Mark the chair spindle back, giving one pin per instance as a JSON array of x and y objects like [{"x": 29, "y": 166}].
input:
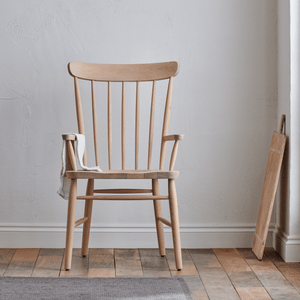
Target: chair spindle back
[{"x": 125, "y": 73}]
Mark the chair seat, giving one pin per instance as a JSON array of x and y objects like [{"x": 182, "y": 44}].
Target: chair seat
[{"x": 123, "y": 174}]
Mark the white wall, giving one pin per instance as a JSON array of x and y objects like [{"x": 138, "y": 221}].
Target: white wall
[{"x": 225, "y": 102}]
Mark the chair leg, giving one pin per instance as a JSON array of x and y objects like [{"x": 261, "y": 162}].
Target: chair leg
[
  {"x": 159, "y": 224},
  {"x": 175, "y": 223},
  {"x": 88, "y": 214},
  {"x": 70, "y": 224}
]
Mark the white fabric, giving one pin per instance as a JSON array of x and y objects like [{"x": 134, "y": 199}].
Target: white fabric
[{"x": 79, "y": 150}]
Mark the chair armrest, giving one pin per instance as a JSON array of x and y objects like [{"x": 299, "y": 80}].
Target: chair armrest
[
  {"x": 173, "y": 137},
  {"x": 69, "y": 137}
]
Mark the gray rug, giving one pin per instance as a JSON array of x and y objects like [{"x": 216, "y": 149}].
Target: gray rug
[{"x": 93, "y": 288}]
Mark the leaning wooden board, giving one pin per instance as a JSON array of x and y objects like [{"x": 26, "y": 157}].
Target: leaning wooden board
[{"x": 269, "y": 190}]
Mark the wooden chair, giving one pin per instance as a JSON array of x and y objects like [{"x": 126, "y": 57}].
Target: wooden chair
[{"x": 123, "y": 73}]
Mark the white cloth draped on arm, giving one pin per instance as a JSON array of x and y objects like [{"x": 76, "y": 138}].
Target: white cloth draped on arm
[{"x": 79, "y": 152}]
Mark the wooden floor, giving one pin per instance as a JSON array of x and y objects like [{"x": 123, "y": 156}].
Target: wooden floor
[{"x": 209, "y": 273}]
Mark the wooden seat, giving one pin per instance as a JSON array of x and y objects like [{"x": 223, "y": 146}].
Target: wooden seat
[
  {"x": 123, "y": 174},
  {"x": 123, "y": 73}
]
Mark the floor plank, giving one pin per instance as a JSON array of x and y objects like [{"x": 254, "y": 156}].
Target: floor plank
[
  {"x": 292, "y": 275},
  {"x": 128, "y": 263},
  {"x": 238, "y": 271},
  {"x": 231, "y": 260},
  {"x": 79, "y": 266},
  {"x": 48, "y": 263},
  {"x": 5, "y": 258},
  {"x": 272, "y": 279},
  {"x": 153, "y": 264},
  {"x": 101, "y": 263},
  {"x": 196, "y": 287},
  {"x": 204, "y": 258},
  {"x": 188, "y": 266},
  {"x": 253, "y": 293},
  {"x": 278, "y": 261},
  {"x": 22, "y": 263}
]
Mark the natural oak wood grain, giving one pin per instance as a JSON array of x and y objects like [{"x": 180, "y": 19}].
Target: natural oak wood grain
[
  {"x": 70, "y": 224},
  {"x": 137, "y": 126},
  {"x": 95, "y": 128},
  {"x": 122, "y": 191},
  {"x": 173, "y": 137},
  {"x": 123, "y": 74},
  {"x": 70, "y": 137},
  {"x": 175, "y": 223},
  {"x": 80, "y": 221},
  {"x": 123, "y": 174},
  {"x": 151, "y": 126},
  {"x": 109, "y": 125},
  {"x": 88, "y": 215},
  {"x": 123, "y": 126},
  {"x": 71, "y": 155},
  {"x": 123, "y": 197},
  {"x": 165, "y": 221},
  {"x": 136, "y": 72},
  {"x": 173, "y": 156},
  {"x": 166, "y": 124},
  {"x": 158, "y": 215},
  {"x": 80, "y": 121},
  {"x": 269, "y": 190}
]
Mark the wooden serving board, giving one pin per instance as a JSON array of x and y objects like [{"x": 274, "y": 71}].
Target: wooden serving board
[{"x": 269, "y": 190}]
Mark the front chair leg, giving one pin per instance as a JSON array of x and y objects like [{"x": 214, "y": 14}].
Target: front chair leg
[
  {"x": 175, "y": 223},
  {"x": 158, "y": 213},
  {"x": 88, "y": 214},
  {"x": 70, "y": 224}
]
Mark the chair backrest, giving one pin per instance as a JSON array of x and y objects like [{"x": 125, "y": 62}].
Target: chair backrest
[{"x": 125, "y": 73}]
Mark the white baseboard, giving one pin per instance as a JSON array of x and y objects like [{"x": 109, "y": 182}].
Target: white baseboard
[
  {"x": 288, "y": 246},
  {"x": 192, "y": 236}
]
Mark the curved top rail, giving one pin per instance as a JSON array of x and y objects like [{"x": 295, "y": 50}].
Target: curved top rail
[{"x": 123, "y": 72}]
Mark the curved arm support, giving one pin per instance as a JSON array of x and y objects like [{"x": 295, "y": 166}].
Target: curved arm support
[
  {"x": 176, "y": 138},
  {"x": 173, "y": 137},
  {"x": 70, "y": 138}
]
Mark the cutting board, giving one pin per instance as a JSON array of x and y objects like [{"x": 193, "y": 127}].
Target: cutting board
[{"x": 269, "y": 190}]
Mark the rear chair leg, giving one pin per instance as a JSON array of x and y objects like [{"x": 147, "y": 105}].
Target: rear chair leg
[
  {"x": 158, "y": 213},
  {"x": 175, "y": 223},
  {"x": 88, "y": 214},
  {"x": 70, "y": 224}
]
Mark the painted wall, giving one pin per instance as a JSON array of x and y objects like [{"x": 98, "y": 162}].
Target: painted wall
[{"x": 225, "y": 102}]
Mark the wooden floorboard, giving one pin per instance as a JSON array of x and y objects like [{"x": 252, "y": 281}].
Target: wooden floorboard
[
  {"x": 22, "y": 263},
  {"x": 209, "y": 273}
]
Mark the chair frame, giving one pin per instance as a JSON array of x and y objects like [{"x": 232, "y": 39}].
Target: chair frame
[{"x": 123, "y": 73}]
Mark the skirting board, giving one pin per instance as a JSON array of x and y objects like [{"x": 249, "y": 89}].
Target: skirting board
[
  {"x": 46, "y": 236},
  {"x": 287, "y": 246}
]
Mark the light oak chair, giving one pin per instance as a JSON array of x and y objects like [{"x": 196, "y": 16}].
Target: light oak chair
[{"x": 123, "y": 73}]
